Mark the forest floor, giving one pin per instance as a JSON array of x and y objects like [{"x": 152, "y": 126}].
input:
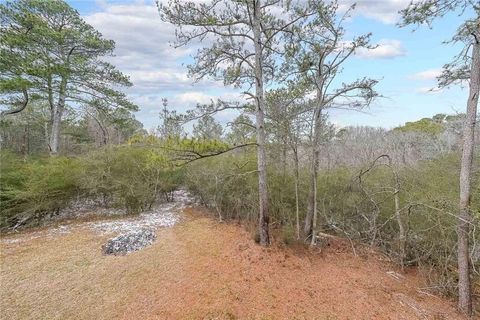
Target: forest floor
[{"x": 202, "y": 269}]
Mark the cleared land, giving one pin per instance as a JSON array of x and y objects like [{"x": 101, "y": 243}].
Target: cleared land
[{"x": 202, "y": 269}]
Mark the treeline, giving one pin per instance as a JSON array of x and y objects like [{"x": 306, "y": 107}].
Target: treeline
[{"x": 28, "y": 132}]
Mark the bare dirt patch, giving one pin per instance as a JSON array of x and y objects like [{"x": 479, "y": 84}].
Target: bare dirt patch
[{"x": 202, "y": 269}]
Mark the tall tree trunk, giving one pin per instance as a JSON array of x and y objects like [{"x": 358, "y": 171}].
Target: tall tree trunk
[
  {"x": 57, "y": 114},
  {"x": 315, "y": 209},
  {"x": 464, "y": 217},
  {"x": 263, "y": 223},
  {"x": 312, "y": 196},
  {"x": 307, "y": 228}
]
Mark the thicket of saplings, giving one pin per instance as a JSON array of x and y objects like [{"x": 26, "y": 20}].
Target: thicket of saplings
[{"x": 359, "y": 207}]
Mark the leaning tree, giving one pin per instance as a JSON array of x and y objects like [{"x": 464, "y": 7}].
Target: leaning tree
[{"x": 49, "y": 53}]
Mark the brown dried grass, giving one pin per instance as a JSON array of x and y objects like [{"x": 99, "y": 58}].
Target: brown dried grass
[{"x": 201, "y": 269}]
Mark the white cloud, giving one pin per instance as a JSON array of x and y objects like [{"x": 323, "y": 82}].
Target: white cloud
[
  {"x": 386, "y": 49},
  {"x": 430, "y": 74},
  {"x": 191, "y": 98},
  {"x": 141, "y": 38},
  {"x": 194, "y": 97},
  {"x": 385, "y": 11},
  {"x": 143, "y": 47},
  {"x": 143, "y": 51}
]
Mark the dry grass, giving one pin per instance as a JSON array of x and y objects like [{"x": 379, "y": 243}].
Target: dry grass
[{"x": 201, "y": 269}]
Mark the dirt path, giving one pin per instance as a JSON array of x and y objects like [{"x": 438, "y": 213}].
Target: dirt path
[{"x": 201, "y": 269}]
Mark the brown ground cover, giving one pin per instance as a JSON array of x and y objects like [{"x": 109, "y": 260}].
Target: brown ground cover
[{"x": 202, "y": 269}]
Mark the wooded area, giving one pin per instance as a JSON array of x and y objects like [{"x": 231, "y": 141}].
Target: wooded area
[{"x": 68, "y": 132}]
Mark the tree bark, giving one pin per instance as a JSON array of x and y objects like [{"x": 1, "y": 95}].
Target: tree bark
[
  {"x": 315, "y": 164},
  {"x": 46, "y": 135},
  {"x": 464, "y": 217},
  {"x": 55, "y": 132},
  {"x": 310, "y": 218},
  {"x": 57, "y": 114},
  {"x": 315, "y": 209},
  {"x": 263, "y": 223}
]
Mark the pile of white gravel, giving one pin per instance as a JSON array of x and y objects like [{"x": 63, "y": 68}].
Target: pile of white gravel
[{"x": 164, "y": 215}]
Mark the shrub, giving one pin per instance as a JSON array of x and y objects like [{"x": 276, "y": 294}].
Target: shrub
[
  {"x": 33, "y": 189},
  {"x": 227, "y": 184},
  {"x": 125, "y": 176},
  {"x": 129, "y": 177}
]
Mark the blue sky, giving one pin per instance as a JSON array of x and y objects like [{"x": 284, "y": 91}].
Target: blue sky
[{"x": 406, "y": 62}]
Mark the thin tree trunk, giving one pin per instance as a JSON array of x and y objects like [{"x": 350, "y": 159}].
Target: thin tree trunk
[
  {"x": 263, "y": 223},
  {"x": 464, "y": 217},
  {"x": 312, "y": 196},
  {"x": 315, "y": 211},
  {"x": 401, "y": 227},
  {"x": 47, "y": 135},
  {"x": 307, "y": 228},
  {"x": 297, "y": 211}
]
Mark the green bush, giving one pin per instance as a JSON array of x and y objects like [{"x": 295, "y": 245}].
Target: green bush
[
  {"x": 33, "y": 189},
  {"x": 127, "y": 176}
]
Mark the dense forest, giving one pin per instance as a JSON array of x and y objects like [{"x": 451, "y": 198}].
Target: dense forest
[{"x": 280, "y": 166}]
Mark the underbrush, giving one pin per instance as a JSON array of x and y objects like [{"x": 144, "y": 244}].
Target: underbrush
[
  {"x": 357, "y": 205},
  {"x": 126, "y": 177}
]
